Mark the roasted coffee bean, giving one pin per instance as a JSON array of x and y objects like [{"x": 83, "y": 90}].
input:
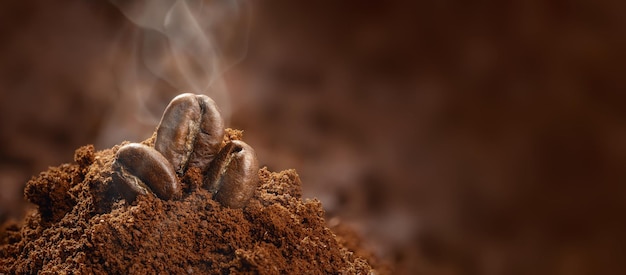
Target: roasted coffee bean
[
  {"x": 190, "y": 132},
  {"x": 233, "y": 175},
  {"x": 140, "y": 169}
]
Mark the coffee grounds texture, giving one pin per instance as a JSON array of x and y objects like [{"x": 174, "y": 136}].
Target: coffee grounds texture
[{"x": 83, "y": 226}]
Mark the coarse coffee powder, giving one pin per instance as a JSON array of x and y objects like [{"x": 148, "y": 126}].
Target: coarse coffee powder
[{"x": 82, "y": 226}]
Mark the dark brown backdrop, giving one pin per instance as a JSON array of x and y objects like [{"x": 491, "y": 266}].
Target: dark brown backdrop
[{"x": 483, "y": 138}]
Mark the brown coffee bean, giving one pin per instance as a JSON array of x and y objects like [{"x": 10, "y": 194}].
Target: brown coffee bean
[
  {"x": 190, "y": 132},
  {"x": 233, "y": 176},
  {"x": 140, "y": 169}
]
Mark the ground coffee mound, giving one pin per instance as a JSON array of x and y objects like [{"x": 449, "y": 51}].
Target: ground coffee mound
[{"x": 82, "y": 226}]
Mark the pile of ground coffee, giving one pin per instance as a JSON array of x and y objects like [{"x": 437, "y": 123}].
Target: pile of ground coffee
[{"x": 81, "y": 225}]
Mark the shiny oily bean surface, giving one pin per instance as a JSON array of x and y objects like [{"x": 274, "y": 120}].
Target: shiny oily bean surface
[
  {"x": 233, "y": 176},
  {"x": 140, "y": 169},
  {"x": 190, "y": 132}
]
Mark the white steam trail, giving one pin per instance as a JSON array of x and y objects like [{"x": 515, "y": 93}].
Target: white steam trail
[
  {"x": 192, "y": 59},
  {"x": 188, "y": 44}
]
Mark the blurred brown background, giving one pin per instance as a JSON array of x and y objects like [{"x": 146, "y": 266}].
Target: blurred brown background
[{"x": 482, "y": 138}]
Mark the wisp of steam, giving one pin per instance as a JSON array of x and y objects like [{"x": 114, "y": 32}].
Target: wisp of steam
[{"x": 186, "y": 43}]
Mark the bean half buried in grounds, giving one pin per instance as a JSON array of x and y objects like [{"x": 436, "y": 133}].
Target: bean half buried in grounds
[
  {"x": 233, "y": 176},
  {"x": 140, "y": 169},
  {"x": 190, "y": 132}
]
